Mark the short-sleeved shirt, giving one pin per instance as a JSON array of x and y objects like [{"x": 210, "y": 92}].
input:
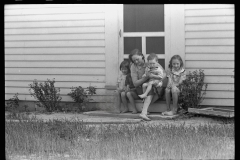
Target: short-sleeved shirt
[
  {"x": 121, "y": 81},
  {"x": 137, "y": 73},
  {"x": 175, "y": 77}
]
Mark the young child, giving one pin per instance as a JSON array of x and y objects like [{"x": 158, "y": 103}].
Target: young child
[
  {"x": 176, "y": 75},
  {"x": 124, "y": 84},
  {"x": 155, "y": 69}
]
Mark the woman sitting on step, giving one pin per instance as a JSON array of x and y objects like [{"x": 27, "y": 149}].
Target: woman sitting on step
[{"x": 137, "y": 71}]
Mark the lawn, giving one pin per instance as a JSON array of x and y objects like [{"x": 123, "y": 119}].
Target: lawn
[{"x": 76, "y": 140}]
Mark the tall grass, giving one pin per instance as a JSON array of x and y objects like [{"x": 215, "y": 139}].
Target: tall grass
[{"x": 82, "y": 141}]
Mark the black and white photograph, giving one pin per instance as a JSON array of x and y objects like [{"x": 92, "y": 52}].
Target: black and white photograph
[{"x": 119, "y": 81}]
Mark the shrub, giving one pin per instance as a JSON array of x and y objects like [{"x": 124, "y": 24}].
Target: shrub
[
  {"x": 47, "y": 95},
  {"x": 81, "y": 96},
  {"x": 12, "y": 102},
  {"x": 192, "y": 90}
]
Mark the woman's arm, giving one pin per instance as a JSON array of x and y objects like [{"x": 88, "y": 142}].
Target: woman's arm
[{"x": 137, "y": 82}]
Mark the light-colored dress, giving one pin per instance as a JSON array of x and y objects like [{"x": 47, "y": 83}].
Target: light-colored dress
[
  {"x": 175, "y": 78},
  {"x": 121, "y": 81},
  {"x": 157, "y": 70}
]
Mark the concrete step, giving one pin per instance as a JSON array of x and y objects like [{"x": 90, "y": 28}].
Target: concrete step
[
  {"x": 152, "y": 116},
  {"x": 156, "y": 107}
]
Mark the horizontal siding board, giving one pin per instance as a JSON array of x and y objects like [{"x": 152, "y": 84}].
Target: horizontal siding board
[
  {"x": 52, "y": 24},
  {"x": 208, "y": 6},
  {"x": 219, "y": 79},
  {"x": 57, "y": 37},
  {"x": 42, "y": 6},
  {"x": 219, "y": 94},
  {"x": 55, "y": 43},
  {"x": 63, "y": 91},
  {"x": 211, "y": 72},
  {"x": 57, "y": 84},
  {"x": 63, "y": 71},
  {"x": 55, "y": 57},
  {"x": 54, "y": 17},
  {"x": 209, "y": 42},
  {"x": 210, "y": 34},
  {"x": 210, "y": 64},
  {"x": 205, "y": 56},
  {"x": 209, "y": 49},
  {"x": 210, "y": 27},
  {"x": 55, "y": 30},
  {"x": 210, "y": 20},
  {"x": 210, "y": 12},
  {"x": 218, "y": 102},
  {"x": 55, "y": 64},
  {"x": 220, "y": 87},
  {"x": 90, "y": 78},
  {"x": 65, "y": 98},
  {"x": 79, "y": 50},
  {"x": 64, "y": 10}
]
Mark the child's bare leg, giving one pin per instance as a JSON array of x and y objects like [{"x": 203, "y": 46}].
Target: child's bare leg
[
  {"x": 144, "y": 95},
  {"x": 118, "y": 100},
  {"x": 131, "y": 96},
  {"x": 124, "y": 101},
  {"x": 168, "y": 99},
  {"x": 175, "y": 99},
  {"x": 144, "y": 87}
]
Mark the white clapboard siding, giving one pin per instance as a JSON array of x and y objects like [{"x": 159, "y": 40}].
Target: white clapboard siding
[
  {"x": 207, "y": 56},
  {"x": 84, "y": 43},
  {"x": 209, "y": 12},
  {"x": 64, "y": 71},
  {"x": 58, "y": 83},
  {"x": 56, "y": 37},
  {"x": 209, "y": 64},
  {"x": 210, "y": 27},
  {"x": 90, "y": 78},
  {"x": 210, "y": 42},
  {"x": 57, "y": 24},
  {"x": 63, "y": 91},
  {"x": 215, "y": 72},
  {"x": 210, "y": 46},
  {"x": 209, "y": 34},
  {"x": 208, "y": 6},
  {"x": 58, "y": 64},
  {"x": 51, "y": 6},
  {"x": 211, "y": 20},
  {"x": 65, "y": 98},
  {"x": 54, "y": 50},
  {"x": 210, "y": 49},
  {"x": 65, "y": 42},
  {"x": 54, "y": 17},
  {"x": 65, "y": 10},
  {"x": 69, "y": 30}
]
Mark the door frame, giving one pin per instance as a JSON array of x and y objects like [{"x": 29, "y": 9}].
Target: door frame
[{"x": 174, "y": 33}]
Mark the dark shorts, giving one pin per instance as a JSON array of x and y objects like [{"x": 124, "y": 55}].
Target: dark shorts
[{"x": 160, "y": 90}]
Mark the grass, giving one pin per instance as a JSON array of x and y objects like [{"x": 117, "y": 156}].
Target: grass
[{"x": 75, "y": 139}]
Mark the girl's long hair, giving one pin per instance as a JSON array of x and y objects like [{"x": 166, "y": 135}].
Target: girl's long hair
[{"x": 176, "y": 57}]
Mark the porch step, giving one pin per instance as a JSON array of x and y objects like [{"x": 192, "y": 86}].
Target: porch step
[
  {"x": 156, "y": 107},
  {"x": 129, "y": 115}
]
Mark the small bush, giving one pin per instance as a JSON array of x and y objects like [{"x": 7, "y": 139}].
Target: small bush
[
  {"x": 47, "y": 95},
  {"x": 192, "y": 90},
  {"x": 81, "y": 96},
  {"x": 12, "y": 103}
]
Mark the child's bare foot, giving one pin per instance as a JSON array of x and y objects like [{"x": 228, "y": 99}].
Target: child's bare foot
[
  {"x": 169, "y": 113},
  {"x": 142, "y": 96},
  {"x": 125, "y": 110},
  {"x": 134, "y": 112}
]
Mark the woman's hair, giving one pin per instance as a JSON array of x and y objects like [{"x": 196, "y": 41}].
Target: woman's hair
[
  {"x": 152, "y": 56},
  {"x": 178, "y": 58},
  {"x": 135, "y": 52},
  {"x": 125, "y": 64}
]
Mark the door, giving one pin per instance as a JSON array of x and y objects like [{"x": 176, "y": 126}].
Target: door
[{"x": 142, "y": 27}]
